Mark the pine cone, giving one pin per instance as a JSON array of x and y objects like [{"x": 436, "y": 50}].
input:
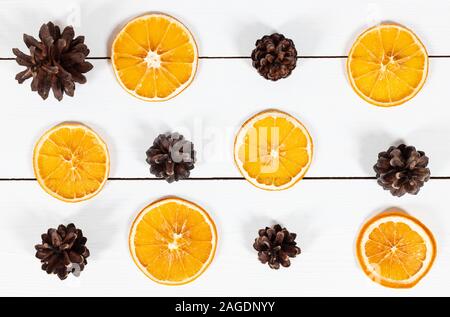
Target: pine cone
[
  {"x": 402, "y": 170},
  {"x": 63, "y": 251},
  {"x": 275, "y": 246},
  {"x": 171, "y": 157},
  {"x": 56, "y": 62},
  {"x": 274, "y": 56}
]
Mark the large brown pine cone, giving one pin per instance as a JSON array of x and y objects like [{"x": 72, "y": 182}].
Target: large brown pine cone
[
  {"x": 63, "y": 251},
  {"x": 274, "y": 56},
  {"x": 56, "y": 62},
  {"x": 402, "y": 170}
]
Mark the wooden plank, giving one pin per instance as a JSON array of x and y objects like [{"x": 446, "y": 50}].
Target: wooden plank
[
  {"x": 348, "y": 133},
  {"x": 326, "y": 215},
  {"x": 230, "y": 28}
]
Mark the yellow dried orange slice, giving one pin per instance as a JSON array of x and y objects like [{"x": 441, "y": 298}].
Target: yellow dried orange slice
[
  {"x": 71, "y": 162},
  {"x": 395, "y": 249},
  {"x": 154, "y": 57},
  {"x": 273, "y": 150},
  {"x": 173, "y": 241},
  {"x": 387, "y": 65}
]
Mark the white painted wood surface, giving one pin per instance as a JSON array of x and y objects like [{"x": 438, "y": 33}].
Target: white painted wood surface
[
  {"x": 348, "y": 133},
  {"x": 325, "y": 214}
]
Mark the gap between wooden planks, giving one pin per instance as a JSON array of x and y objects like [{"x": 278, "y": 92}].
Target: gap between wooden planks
[
  {"x": 230, "y": 178},
  {"x": 241, "y": 57}
]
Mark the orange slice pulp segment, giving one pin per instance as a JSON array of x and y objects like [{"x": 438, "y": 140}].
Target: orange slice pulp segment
[
  {"x": 71, "y": 162},
  {"x": 154, "y": 57},
  {"x": 173, "y": 241},
  {"x": 273, "y": 150},
  {"x": 387, "y": 65},
  {"x": 395, "y": 250}
]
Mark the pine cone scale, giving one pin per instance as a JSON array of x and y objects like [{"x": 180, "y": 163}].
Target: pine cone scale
[
  {"x": 30, "y": 41},
  {"x": 291, "y": 251},
  {"x": 264, "y": 257},
  {"x": 24, "y": 75}
]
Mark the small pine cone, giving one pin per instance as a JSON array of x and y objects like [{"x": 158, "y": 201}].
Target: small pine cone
[
  {"x": 274, "y": 56},
  {"x": 63, "y": 251},
  {"x": 275, "y": 246},
  {"x": 402, "y": 170},
  {"x": 171, "y": 157},
  {"x": 56, "y": 62}
]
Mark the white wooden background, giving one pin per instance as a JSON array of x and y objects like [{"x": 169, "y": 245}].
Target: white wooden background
[{"x": 325, "y": 212}]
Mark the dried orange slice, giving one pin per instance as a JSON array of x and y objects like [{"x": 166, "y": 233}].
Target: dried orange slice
[
  {"x": 387, "y": 65},
  {"x": 273, "y": 150},
  {"x": 71, "y": 162},
  {"x": 395, "y": 250},
  {"x": 154, "y": 57},
  {"x": 173, "y": 241}
]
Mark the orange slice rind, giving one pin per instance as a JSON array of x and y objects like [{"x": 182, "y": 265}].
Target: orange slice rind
[
  {"x": 173, "y": 241},
  {"x": 154, "y": 57},
  {"x": 395, "y": 249},
  {"x": 273, "y": 150},
  {"x": 387, "y": 65},
  {"x": 71, "y": 162}
]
